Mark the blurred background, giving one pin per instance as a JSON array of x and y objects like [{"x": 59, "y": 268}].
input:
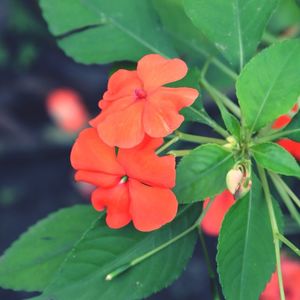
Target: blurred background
[{"x": 45, "y": 99}]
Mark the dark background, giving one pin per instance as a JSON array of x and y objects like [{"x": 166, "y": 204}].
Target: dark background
[{"x": 35, "y": 173}]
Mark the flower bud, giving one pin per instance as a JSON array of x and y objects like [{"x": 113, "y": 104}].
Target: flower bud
[
  {"x": 233, "y": 180},
  {"x": 244, "y": 188}
]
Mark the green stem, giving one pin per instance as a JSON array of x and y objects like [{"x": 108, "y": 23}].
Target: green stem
[
  {"x": 275, "y": 136},
  {"x": 269, "y": 38},
  {"x": 218, "y": 96},
  {"x": 211, "y": 273},
  {"x": 224, "y": 68},
  {"x": 274, "y": 226},
  {"x": 179, "y": 153},
  {"x": 286, "y": 198},
  {"x": 143, "y": 257},
  {"x": 288, "y": 243},
  {"x": 288, "y": 190},
  {"x": 210, "y": 122},
  {"x": 198, "y": 139},
  {"x": 167, "y": 144}
]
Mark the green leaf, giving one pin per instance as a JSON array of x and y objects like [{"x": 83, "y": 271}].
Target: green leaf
[
  {"x": 234, "y": 26},
  {"x": 202, "y": 173},
  {"x": 30, "y": 263},
  {"x": 295, "y": 127},
  {"x": 103, "y": 250},
  {"x": 231, "y": 122},
  {"x": 275, "y": 158},
  {"x": 99, "y": 31},
  {"x": 246, "y": 255},
  {"x": 286, "y": 15},
  {"x": 188, "y": 40},
  {"x": 270, "y": 84},
  {"x": 195, "y": 113}
]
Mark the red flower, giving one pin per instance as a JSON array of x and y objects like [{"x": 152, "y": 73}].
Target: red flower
[
  {"x": 291, "y": 281},
  {"x": 213, "y": 219},
  {"x": 291, "y": 146},
  {"x": 136, "y": 103},
  {"x": 281, "y": 122},
  {"x": 134, "y": 184},
  {"x": 67, "y": 109}
]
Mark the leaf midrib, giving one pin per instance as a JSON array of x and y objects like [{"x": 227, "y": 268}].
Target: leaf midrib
[
  {"x": 247, "y": 234},
  {"x": 236, "y": 10}
]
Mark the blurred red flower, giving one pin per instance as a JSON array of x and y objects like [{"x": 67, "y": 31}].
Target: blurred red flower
[
  {"x": 291, "y": 281},
  {"x": 212, "y": 222},
  {"x": 291, "y": 146},
  {"x": 132, "y": 184},
  {"x": 137, "y": 104},
  {"x": 282, "y": 121},
  {"x": 67, "y": 109}
]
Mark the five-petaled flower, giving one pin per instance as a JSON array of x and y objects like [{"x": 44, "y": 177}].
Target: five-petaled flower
[
  {"x": 137, "y": 104},
  {"x": 132, "y": 184}
]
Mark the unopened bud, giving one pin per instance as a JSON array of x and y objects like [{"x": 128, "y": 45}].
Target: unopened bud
[
  {"x": 231, "y": 143},
  {"x": 244, "y": 189},
  {"x": 231, "y": 140},
  {"x": 234, "y": 179}
]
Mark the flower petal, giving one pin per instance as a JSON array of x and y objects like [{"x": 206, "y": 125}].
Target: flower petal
[
  {"x": 110, "y": 107},
  {"x": 161, "y": 120},
  {"x": 89, "y": 153},
  {"x": 161, "y": 115},
  {"x": 97, "y": 178},
  {"x": 122, "y": 83},
  {"x": 180, "y": 97},
  {"x": 213, "y": 219},
  {"x": 155, "y": 70},
  {"x": 151, "y": 207},
  {"x": 116, "y": 200},
  {"x": 143, "y": 164},
  {"x": 123, "y": 128}
]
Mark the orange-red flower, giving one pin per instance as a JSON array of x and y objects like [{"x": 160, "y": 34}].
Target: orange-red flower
[
  {"x": 212, "y": 222},
  {"x": 281, "y": 122},
  {"x": 291, "y": 281},
  {"x": 67, "y": 109},
  {"x": 132, "y": 184},
  {"x": 137, "y": 104},
  {"x": 291, "y": 146}
]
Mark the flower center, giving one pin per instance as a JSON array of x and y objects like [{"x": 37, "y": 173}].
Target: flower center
[
  {"x": 124, "y": 179},
  {"x": 140, "y": 93}
]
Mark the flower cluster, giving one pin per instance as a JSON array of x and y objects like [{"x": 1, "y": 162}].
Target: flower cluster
[{"x": 117, "y": 154}]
